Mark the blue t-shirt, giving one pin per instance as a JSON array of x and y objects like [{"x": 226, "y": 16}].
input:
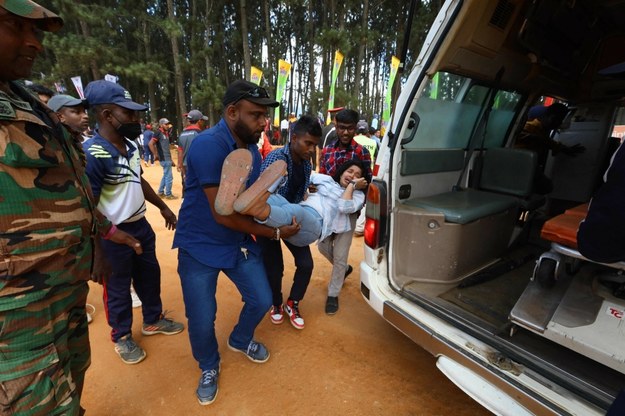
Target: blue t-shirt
[
  {"x": 147, "y": 136},
  {"x": 197, "y": 232}
]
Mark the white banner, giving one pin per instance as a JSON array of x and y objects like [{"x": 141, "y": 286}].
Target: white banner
[{"x": 78, "y": 85}]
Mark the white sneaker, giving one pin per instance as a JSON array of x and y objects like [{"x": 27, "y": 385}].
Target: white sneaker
[
  {"x": 292, "y": 310},
  {"x": 136, "y": 302},
  {"x": 276, "y": 315}
]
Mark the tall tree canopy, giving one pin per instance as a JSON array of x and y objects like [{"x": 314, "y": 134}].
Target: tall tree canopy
[{"x": 176, "y": 55}]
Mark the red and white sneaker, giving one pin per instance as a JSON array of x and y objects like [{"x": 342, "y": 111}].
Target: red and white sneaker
[
  {"x": 276, "y": 315},
  {"x": 292, "y": 310}
]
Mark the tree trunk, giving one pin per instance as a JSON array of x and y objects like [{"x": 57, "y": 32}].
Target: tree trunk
[
  {"x": 312, "y": 106},
  {"x": 178, "y": 76},
  {"x": 361, "y": 52},
  {"x": 271, "y": 82},
  {"x": 93, "y": 65},
  {"x": 148, "y": 58},
  {"x": 245, "y": 39}
]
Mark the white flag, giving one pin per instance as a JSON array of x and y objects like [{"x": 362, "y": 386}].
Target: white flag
[{"x": 78, "y": 85}]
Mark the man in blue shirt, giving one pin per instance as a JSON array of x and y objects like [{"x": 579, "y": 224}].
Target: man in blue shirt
[
  {"x": 210, "y": 243},
  {"x": 114, "y": 170}
]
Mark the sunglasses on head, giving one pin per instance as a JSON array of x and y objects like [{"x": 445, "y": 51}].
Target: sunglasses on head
[{"x": 258, "y": 92}]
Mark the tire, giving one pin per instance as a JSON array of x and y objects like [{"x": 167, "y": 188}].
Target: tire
[{"x": 546, "y": 273}]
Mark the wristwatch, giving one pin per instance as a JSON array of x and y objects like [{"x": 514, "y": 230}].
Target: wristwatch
[{"x": 276, "y": 234}]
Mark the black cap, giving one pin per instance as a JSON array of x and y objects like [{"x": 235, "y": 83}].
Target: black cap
[{"x": 245, "y": 90}]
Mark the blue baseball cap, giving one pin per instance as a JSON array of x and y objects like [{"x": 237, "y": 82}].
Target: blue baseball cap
[{"x": 105, "y": 92}]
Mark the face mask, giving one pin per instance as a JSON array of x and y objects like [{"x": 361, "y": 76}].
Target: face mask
[{"x": 128, "y": 130}]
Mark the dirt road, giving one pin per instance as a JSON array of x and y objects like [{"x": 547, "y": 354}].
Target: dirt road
[{"x": 352, "y": 363}]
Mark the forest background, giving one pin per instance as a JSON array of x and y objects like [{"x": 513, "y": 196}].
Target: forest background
[{"x": 177, "y": 55}]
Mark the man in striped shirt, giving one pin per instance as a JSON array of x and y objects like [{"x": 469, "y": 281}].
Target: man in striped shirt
[{"x": 114, "y": 171}]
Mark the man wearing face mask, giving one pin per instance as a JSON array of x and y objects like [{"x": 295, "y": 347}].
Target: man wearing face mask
[
  {"x": 210, "y": 242},
  {"x": 114, "y": 170}
]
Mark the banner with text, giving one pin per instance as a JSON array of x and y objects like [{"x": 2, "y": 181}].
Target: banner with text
[
  {"x": 284, "y": 68},
  {"x": 255, "y": 75},
  {"x": 338, "y": 60},
  {"x": 78, "y": 85},
  {"x": 386, "y": 112}
]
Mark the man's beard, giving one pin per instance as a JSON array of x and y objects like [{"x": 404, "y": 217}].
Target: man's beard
[{"x": 244, "y": 133}]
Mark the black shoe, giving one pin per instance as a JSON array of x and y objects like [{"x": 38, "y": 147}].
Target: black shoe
[
  {"x": 332, "y": 305},
  {"x": 349, "y": 271}
]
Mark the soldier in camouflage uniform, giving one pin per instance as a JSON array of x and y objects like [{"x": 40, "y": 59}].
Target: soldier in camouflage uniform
[{"x": 47, "y": 221}]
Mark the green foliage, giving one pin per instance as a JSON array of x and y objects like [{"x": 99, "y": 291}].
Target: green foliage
[{"x": 132, "y": 39}]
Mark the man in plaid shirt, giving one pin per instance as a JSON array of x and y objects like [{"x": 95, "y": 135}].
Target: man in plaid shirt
[
  {"x": 336, "y": 247},
  {"x": 345, "y": 148}
]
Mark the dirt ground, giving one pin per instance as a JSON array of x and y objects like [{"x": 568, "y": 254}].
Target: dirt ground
[{"x": 352, "y": 363}]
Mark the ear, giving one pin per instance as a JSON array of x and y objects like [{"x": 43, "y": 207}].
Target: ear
[{"x": 232, "y": 112}]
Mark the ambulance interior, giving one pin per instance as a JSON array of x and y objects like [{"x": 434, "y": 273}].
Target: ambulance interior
[{"x": 469, "y": 236}]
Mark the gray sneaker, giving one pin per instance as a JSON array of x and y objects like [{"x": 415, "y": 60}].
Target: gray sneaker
[
  {"x": 129, "y": 351},
  {"x": 207, "y": 387},
  {"x": 163, "y": 326},
  {"x": 255, "y": 351}
]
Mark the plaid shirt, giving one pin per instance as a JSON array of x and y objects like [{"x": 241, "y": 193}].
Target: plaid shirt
[
  {"x": 332, "y": 156},
  {"x": 284, "y": 153}
]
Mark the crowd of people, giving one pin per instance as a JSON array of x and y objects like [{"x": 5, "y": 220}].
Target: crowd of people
[{"x": 74, "y": 204}]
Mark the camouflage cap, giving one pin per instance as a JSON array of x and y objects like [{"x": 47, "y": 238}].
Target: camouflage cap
[{"x": 47, "y": 20}]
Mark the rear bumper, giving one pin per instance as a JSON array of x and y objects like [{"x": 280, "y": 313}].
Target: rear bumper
[{"x": 528, "y": 391}]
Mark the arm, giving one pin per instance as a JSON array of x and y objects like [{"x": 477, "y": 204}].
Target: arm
[
  {"x": 357, "y": 184},
  {"x": 245, "y": 223},
  {"x": 352, "y": 201},
  {"x": 152, "y": 198},
  {"x": 152, "y": 146},
  {"x": 101, "y": 268},
  {"x": 180, "y": 151}
]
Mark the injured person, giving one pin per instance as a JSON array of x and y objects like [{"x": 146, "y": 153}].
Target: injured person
[{"x": 322, "y": 213}]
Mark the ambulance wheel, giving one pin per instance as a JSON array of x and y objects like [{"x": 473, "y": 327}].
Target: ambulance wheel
[{"x": 546, "y": 273}]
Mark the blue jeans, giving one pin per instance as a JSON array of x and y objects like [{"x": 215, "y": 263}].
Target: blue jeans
[
  {"x": 168, "y": 178},
  {"x": 282, "y": 213},
  {"x": 199, "y": 284},
  {"x": 147, "y": 154}
]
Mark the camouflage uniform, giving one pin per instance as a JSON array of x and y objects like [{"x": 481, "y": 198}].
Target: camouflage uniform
[{"x": 46, "y": 224}]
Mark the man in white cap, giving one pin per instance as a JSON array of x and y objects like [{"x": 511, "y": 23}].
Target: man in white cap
[
  {"x": 197, "y": 123},
  {"x": 159, "y": 145}
]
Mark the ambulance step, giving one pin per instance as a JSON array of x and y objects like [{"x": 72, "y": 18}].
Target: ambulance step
[{"x": 536, "y": 306}]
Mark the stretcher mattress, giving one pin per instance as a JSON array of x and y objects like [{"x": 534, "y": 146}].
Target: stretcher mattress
[{"x": 562, "y": 229}]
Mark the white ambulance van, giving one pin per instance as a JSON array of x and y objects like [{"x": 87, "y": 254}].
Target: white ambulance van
[{"x": 457, "y": 256}]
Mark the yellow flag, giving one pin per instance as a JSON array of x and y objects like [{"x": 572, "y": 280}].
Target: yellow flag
[
  {"x": 283, "y": 73},
  {"x": 338, "y": 60},
  {"x": 255, "y": 75}
]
